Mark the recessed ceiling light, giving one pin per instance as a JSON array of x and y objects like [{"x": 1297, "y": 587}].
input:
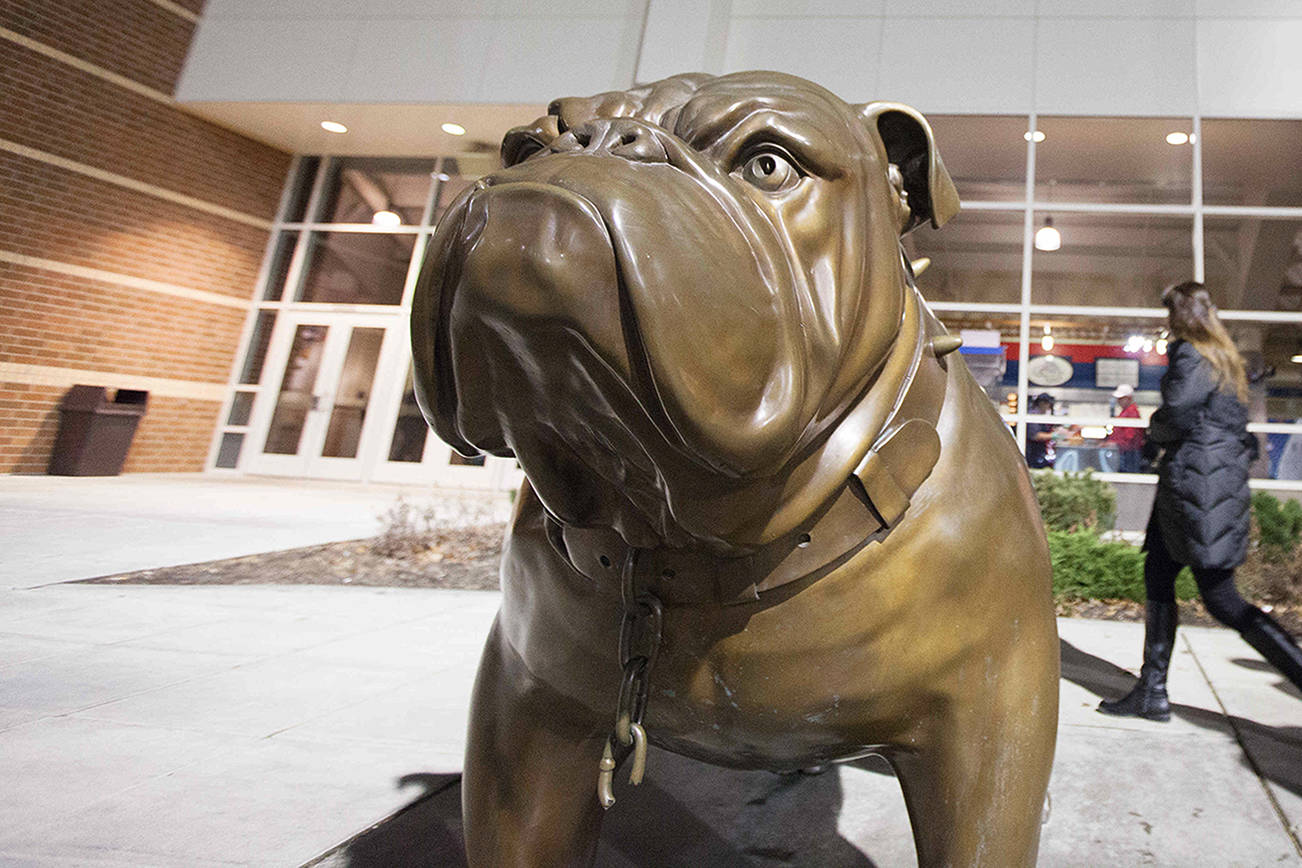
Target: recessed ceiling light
[
  {"x": 454, "y": 129},
  {"x": 386, "y": 218},
  {"x": 1177, "y": 138},
  {"x": 1296, "y": 359},
  {"x": 333, "y": 127},
  {"x": 1033, "y": 135}
]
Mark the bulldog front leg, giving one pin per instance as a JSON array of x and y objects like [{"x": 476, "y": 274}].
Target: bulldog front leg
[
  {"x": 975, "y": 785},
  {"x": 529, "y": 789}
]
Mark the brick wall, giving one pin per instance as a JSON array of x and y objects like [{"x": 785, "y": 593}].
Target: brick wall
[
  {"x": 128, "y": 37},
  {"x": 56, "y": 214},
  {"x": 64, "y": 127},
  {"x": 31, "y": 421},
  {"x": 62, "y": 110},
  {"x": 94, "y": 325},
  {"x": 173, "y": 436}
]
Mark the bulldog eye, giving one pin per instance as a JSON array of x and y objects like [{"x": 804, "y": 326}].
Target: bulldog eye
[{"x": 771, "y": 172}]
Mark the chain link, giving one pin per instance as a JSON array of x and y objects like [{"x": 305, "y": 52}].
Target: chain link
[{"x": 639, "y": 642}]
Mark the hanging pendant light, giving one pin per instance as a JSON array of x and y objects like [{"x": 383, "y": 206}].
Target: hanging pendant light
[{"x": 1047, "y": 237}]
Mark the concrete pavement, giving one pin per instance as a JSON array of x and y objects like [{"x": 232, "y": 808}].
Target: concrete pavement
[
  {"x": 148, "y": 725},
  {"x": 58, "y": 528}
]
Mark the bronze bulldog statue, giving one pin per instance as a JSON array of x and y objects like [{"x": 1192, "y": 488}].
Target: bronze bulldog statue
[{"x": 770, "y": 521}]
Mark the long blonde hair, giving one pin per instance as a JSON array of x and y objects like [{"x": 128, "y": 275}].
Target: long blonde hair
[{"x": 1193, "y": 318}]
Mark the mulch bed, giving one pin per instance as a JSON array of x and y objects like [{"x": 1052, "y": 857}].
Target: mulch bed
[
  {"x": 467, "y": 559},
  {"x": 1192, "y": 613}
]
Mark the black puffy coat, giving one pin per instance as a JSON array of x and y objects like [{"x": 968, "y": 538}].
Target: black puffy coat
[{"x": 1202, "y": 503}]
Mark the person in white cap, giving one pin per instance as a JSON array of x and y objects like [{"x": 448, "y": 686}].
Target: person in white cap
[{"x": 1129, "y": 441}]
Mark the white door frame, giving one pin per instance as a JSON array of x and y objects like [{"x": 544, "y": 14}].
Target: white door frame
[
  {"x": 435, "y": 467},
  {"x": 308, "y": 462}
]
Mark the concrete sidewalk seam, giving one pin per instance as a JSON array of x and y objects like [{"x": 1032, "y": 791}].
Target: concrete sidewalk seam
[{"x": 1243, "y": 746}]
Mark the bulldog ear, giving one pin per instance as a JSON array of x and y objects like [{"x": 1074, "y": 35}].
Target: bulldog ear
[
  {"x": 910, "y": 146},
  {"x": 521, "y": 143}
]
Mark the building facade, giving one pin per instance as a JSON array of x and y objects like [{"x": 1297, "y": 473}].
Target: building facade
[
  {"x": 131, "y": 231},
  {"x": 1103, "y": 150}
]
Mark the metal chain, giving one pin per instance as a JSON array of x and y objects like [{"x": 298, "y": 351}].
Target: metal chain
[{"x": 639, "y": 643}]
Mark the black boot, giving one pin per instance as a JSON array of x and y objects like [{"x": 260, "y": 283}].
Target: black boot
[
  {"x": 1148, "y": 698},
  {"x": 1272, "y": 642}
]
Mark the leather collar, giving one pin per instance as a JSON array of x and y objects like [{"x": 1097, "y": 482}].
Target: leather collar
[{"x": 875, "y": 496}]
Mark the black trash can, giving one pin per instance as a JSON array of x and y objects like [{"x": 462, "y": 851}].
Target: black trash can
[{"x": 94, "y": 432}]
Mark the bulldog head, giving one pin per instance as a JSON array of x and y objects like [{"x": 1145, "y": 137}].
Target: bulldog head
[{"x": 667, "y": 301}]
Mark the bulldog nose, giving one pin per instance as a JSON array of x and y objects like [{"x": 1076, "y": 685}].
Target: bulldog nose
[{"x": 619, "y": 137}]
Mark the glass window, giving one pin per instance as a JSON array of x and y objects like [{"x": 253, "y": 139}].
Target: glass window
[
  {"x": 1273, "y": 355},
  {"x": 353, "y": 394},
  {"x": 258, "y": 343},
  {"x": 228, "y": 454},
  {"x": 1252, "y": 162},
  {"x": 1096, "y": 262},
  {"x": 1112, "y": 260},
  {"x": 301, "y": 189},
  {"x": 278, "y": 270},
  {"x": 452, "y": 180},
  {"x": 296, "y": 399},
  {"x": 1253, "y": 263},
  {"x": 1281, "y": 458},
  {"x": 1114, "y": 160},
  {"x": 241, "y": 408},
  {"x": 410, "y": 430},
  {"x": 356, "y": 267},
  {"x": 989, "y": 342},
  {"x": 977, "y": 256},
  {"x": 1095, "y": 370},
  {"x": 985, "y": 155},
  {"x": 358, "y": 188}
]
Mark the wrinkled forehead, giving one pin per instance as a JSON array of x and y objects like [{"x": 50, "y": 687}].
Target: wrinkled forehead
[
  {"x": 734, "y": 101},
  {"x": 701, "y": 109}
]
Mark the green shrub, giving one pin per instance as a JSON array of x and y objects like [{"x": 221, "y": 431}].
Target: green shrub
[
  {"x": 1077, "y": 507},
  {"x": 1086, "y": 567},
  {"x": 1074, "y": 501},
  {"x": 1272, "y": 572},
  {"x": 1279, "y": 526}
]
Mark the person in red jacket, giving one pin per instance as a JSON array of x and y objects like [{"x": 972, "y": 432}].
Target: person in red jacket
[{"x": 1129, "y": 441}]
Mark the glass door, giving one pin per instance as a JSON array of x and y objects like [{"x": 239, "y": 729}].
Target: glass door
[
  {"x": 319, "y": 419},
  {"x": 412, "y": 453}
]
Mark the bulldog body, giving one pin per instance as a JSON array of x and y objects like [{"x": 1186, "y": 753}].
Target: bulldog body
[{"x": 684, "y": 309}]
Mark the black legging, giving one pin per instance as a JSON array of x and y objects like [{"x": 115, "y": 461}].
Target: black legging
[{"x": 1216, "y": 586}]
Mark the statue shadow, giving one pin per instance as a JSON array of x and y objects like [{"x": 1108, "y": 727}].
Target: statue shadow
[
  {"x": 685, "y": 813},
  {"x": 426, "y": 833},
  {"x": 1275, "y": 751},
  {"x": 689, "y": 813}
]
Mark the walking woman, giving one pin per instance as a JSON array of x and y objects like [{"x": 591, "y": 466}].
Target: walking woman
[{"x": 1201, "y": 513}]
